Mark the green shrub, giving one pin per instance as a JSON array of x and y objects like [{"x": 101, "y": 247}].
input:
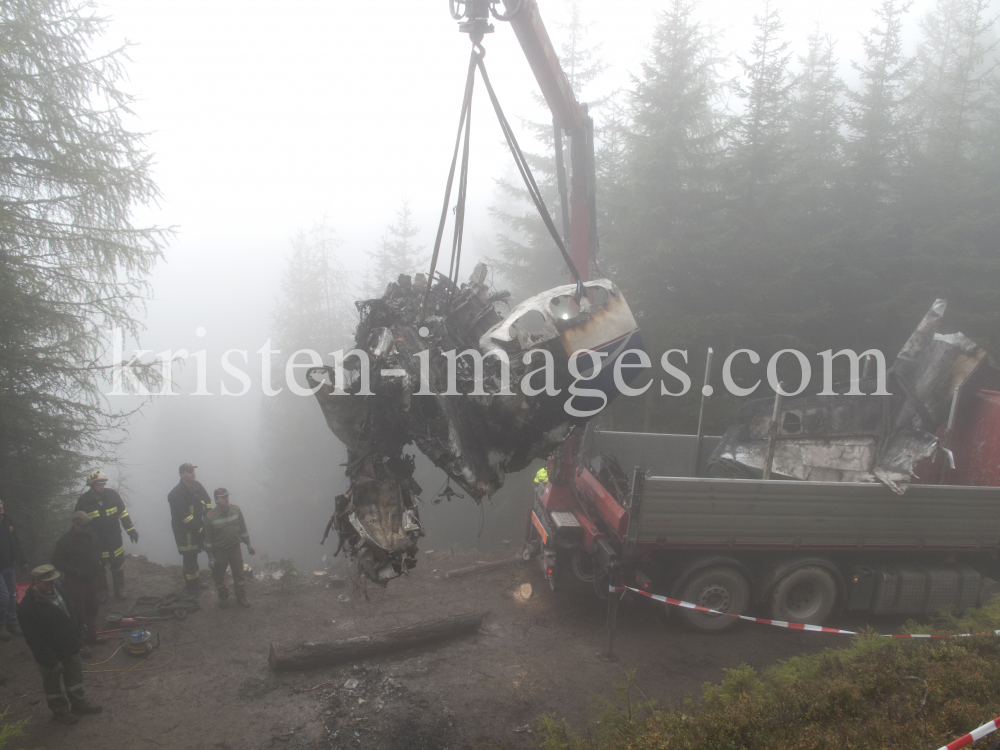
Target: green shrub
[{"x": 874, "y": 692}]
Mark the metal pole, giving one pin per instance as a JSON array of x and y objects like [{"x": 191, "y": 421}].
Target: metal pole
[
  {"x": 612, "y": 609},
  {"x": 772, "y": 432},
  {"x": 946, "y": 438},
  {"x": 706, "y": 391}
]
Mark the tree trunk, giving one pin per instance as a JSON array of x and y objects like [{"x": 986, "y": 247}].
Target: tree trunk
[{"x": 297, "y": 656}]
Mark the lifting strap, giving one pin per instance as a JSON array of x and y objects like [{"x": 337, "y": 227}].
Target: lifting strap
[{"x": 462, "y": 143}]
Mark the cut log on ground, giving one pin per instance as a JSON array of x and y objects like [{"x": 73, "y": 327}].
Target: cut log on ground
[
  {"x": 480, "y": 567},
  {"x": 286, "y": 657}
]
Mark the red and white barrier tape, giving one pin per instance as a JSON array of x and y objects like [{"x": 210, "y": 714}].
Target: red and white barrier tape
[
  {"x": 781, "y": 623},
  {"x": 988, "y": 728}
]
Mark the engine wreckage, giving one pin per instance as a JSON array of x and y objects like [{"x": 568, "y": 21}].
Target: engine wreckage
[
  {"x": 868, "y": 431},
  {"x": 443, "y": 383}
]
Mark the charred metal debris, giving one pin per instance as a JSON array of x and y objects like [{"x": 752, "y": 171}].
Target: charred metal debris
[
  {"x": 862, "y": 438},
  {"x": 477, "y": 436}
]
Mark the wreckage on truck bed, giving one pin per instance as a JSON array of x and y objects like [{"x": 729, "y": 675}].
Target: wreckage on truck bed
[{"x": 869, "y": 509}]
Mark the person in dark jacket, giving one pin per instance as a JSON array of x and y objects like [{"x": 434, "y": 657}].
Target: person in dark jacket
[
  {"x": 10, "y": 556},
  {"x": 189, "y": 504},
  {"x": 225, "y": 529},
  {"x": 52, "y": 626},
  {"x": 78, "y": 557},
  {"x": 108, "y": 515}
]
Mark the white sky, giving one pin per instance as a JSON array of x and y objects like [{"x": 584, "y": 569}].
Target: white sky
[{"x": 264, "y": 117}]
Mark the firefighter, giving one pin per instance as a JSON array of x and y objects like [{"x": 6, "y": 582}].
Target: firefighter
[
  {"x": 224, "y": 530},
  {"x": 78, "y": 557},
  {"x": 10, "y": 555},
  {"x": 189, "y": 504},
  {"x": 108, "y": 516},
  {"x": 52, "y": 627}
]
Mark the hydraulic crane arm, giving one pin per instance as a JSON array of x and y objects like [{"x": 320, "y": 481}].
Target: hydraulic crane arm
[
  {"x": 567, "y": 113},
  {"x": 552, "y": 80}
]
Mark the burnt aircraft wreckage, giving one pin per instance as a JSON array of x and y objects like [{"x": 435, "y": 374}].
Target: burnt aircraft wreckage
[
  {"x": 443, "y": 384},
  {"x": 867, "y": 432}
]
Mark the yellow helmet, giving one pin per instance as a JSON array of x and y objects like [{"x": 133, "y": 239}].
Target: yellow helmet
[{"x": 96, "y": 476}]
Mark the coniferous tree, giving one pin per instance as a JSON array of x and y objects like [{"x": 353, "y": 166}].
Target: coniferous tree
[
  {"x": 815, "y": 137},
  {"x": 300, "y": 456},
  {"x": 760, "y": 139},
  {"x": 73, "y": 261},
  {"x": 396, "y": 253},
  {"x": 673, "y": 180},
  {"x": 954, "y": 73},
  {"x": 878, "y": 111}
]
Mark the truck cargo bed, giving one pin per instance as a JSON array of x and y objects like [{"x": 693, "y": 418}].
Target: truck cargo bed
[{"x": 683, "y": 512}]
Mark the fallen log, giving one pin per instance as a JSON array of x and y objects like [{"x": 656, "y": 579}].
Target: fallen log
[
  {"x": 297, "y": 656},
  {"x": 480, "y": 567}
]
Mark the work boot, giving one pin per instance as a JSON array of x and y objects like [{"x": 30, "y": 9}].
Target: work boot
[
  {"x": 15, "y": 629},
  {"x": 86, "y": 707},
  {"x": 242, "y": 601},
  {"x": 65, "y": 717}
]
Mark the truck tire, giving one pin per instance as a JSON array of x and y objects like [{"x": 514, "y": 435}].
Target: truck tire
[
  {"x": 720, "y": 588},
  {"x": 807, "y": 596}
]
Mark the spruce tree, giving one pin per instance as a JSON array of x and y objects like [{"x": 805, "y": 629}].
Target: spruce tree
[
  {"x": 877, "y": 115},
  {"x": 395, "y": 253},
  {"x": 760, "y": 146}
]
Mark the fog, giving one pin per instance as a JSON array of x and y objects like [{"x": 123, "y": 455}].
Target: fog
[{"x": 265, "y": 119}]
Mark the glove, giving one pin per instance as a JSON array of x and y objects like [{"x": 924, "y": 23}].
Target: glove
[
  {"x": 133, "y": 535},
  {"x": 251, "y": 550},
  {"x": 58, "y": 668}
]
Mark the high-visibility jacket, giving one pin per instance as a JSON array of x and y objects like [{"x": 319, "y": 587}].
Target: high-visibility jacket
[
  {"x": 188, "y": 508},
  {"x": 107, "y": 517},
  {"x": 225, "y": 529},
  {"x": 542, "y": 476}
]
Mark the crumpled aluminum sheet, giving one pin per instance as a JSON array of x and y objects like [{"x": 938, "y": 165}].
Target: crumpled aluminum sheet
[{"x": 865, "y": 438}]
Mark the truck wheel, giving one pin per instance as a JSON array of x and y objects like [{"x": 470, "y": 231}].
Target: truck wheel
[
  {"x": 807, "y": 595},
  {"x": 722, "y": 589}
]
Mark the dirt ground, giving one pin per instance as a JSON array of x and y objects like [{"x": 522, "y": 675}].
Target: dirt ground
[{"x": 209, "y": 687}]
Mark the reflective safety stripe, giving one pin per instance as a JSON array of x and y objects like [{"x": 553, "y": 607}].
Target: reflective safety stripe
[
  {"x": 111, "y": 512},
  {"x": 189, "y": 519},
  {"x": 227, "y": 519},
  {"x": 124, "y": 514},
  {"x": 120, "y": 551},
  {"x": 191, "y": 576},
  {"x": 52, "y": 697},
  {"x": 106, "y": 555},
  {"x": 189, "y": 548},
  {"x": 94, "y": 513},
  {"x": 74, "y": 688}
]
